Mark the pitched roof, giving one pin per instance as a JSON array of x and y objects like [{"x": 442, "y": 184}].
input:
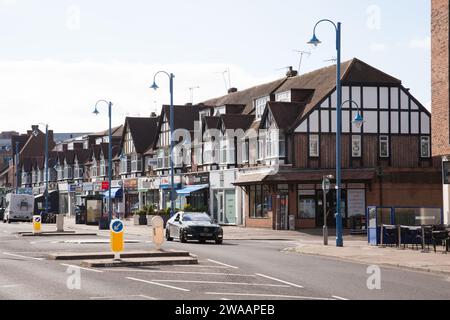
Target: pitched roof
[
  {"x": 82, "y": 155},
  {"x": 143, "y": 132},
  {"x": 237, "y": 121},
  {"x": 246, "y": 97},
  {"x": 115, "y": 131},
  {"x": 184, "y": 116},
  {"x": 285, "y": 113},
  {"x": 212, "y": 122}
]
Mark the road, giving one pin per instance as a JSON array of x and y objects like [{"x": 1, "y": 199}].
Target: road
[{"x": 237, "y": 270}]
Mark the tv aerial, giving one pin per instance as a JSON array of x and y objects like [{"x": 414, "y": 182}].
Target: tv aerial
[{"x": 301, "y": 53}]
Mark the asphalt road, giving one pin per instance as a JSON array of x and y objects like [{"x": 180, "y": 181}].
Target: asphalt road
[{"x": 237, "y": 270}]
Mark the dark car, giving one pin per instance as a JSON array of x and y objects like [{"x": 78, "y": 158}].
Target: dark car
[{"x": 187, "y": 226}]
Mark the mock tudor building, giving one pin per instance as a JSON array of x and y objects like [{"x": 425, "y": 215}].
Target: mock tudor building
[{"x": 440, "y": 93}]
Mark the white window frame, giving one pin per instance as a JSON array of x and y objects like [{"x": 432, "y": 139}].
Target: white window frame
[
  {"x": 356, "y": 139},
  {"x": 245, "y": 151},
  {"x": 425, "y": 140},
  {"x": 384, "y": 140},
  {"x": 260, "y": 106},
  {"x": 284, "y": 96},
  {"x": 314, "y": 146},
  {"x": 136, "y": 163}
]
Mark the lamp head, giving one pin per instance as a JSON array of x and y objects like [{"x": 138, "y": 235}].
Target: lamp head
[
  {"x": 359, "y": 121},
  {"x": 96, "y": 112},
  {"x": 314, "y": 41},
  {"x": 154, "y": 86}
]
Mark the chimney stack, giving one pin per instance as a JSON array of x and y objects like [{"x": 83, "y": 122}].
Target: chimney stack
[
  {"x": 291, "y": 73},
  {"x": 232, "y": 90}
]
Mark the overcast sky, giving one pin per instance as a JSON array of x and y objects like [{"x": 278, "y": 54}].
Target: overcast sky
[{"x": 58, "y": 57}]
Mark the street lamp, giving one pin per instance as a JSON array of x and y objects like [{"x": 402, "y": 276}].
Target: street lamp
[
  {"x": 315, "y": 41},
  {"x": 171, "y": 124},
  {"x": 46, "y": 167},
  {"x": 326, "y": 183},
  {"x": 96, "y": 112},
  {"x": 359, "y": 120}
]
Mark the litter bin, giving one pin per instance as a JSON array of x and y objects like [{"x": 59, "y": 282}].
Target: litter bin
[
  {"x": 104, "y": 222},
  {"x": 80, "y": 214}
]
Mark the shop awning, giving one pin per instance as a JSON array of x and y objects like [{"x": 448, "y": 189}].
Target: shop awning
[
  {"x": 42, "y": 195},
  {"x": 115, "y": 193},
  {"x": 192, "y": 189}
]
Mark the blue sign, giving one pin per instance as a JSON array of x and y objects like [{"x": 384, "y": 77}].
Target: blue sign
[{"x": 116, "y": 226}]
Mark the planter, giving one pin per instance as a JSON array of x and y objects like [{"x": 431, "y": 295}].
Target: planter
[{"x": 139, "y": 220}]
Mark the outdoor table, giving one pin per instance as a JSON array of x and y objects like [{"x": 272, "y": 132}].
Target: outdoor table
[
  {"x": 447, "y": 240},
  {"x": 410, "y": 228},
  {"x": 387, "y": 227}
]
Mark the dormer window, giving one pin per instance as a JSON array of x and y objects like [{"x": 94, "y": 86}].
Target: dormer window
[
  {"x": 220, "y": 111},
  {"x": 284, "y": 96},
  {"x": 260, "y": 106}
]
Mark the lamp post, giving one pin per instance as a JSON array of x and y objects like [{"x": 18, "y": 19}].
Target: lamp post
[
  {"x": 315, "y": 41},
  {"x": 46, "y": 168},
  {"x": 96, "y": 112},
  {"x": 171, "y": 124}
]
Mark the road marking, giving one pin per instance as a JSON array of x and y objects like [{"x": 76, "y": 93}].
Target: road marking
[
  {"x": 87, "y": 269},
  {"x": 230, "y": 283},
  {"x": 225, "y": 299},
  {"x": 158, "y": 284},
  {"x": 7, "y": 286},
  {"x": 223, "y": 264},
  {"x": 264, "y": 295},
  {"x": 340, "y": 298},
  {"x": 282, "y": 281},
  {"x": 117, "y": 297},
  {"x": 182, "y": 272},
  {"x": 198, "y": 266},
  {"x": 20, "y": 256}
]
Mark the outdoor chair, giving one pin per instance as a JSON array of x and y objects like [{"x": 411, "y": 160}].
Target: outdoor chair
[
  {"x": 440, "y": 236},
  {"x": 411, "y": 236}
]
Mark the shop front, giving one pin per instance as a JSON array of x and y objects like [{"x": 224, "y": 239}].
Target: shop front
[
  {"x": 165, "y": 190},
  {"x": 67, "y": 199},
  {"x": 131, "y": 194},
  {"x": 224, "y": 197},
  {"x": 195, "y": 191},
  {"x": 148, "y": 189}
]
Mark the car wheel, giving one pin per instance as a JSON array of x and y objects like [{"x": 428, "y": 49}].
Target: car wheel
[
  {"x": 219, "y": 241},
  {"x": 168, "y": 237},
  {"x": 182, "y": 237},
  {"x": 202, "y": 241}
]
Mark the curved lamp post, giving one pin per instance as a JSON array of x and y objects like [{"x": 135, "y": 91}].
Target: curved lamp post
[
  {"x": 315, "y": 41},
  {"x": 96, "y": 112},
  {"x": 46, "y": 167},
  {"x": 171, "y": 124},
  {"x": 359, "y": 120}
]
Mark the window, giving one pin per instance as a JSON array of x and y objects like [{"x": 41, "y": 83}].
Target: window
[
  {"x": 68, "y": 172},
  {"x": 124, "y": 165},
  {"x": 306, "y": 205},
  {"x": 314, "y": 146},
  {"x": 261, "y": 147},
  {"x": 260, "y": 202},
  {"x": 384, "y": 146},
  {"x": 425, "y": 149},
  {"x": 281, "y": 145},
  {"x": 260, "y": 106},
  {"x": 245, "y": 149},
  {"x": 136, "y": 163},
  {"x": 160, "y": 158},
  {"x": 356, "y": 146},
  {"x": 283, "y": 96},
  {"x": 223, "y": 150}
]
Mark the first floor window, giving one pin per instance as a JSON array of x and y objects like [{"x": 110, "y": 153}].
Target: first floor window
[
  {"x": 314, "y": 146},
  {"x": 425, "y": 149},
  {"x": 356, "y": 146},
  {"x": 384, "y": 146},
  {"x": 245, "y": 149},
  {"x": 261, "y": 147}
]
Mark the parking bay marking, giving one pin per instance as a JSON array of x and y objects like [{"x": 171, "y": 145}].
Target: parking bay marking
[
  {"x": 222, "y": 264},
  {"x": 282, "y": 281},
  {"x": 78, "y": 267},
  {"x": 20, "y": 256},
  {"x": 158, "y": 284},
  {"x": 229, "y": 283},
  {"x": 265, "y": 295},
  {"x": 183, "y": 272}
]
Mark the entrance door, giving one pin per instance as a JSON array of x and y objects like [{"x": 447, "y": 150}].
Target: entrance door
[
  {"x": 283, "y": 213},
  {"x": 220, "y": 207},
  {"x": 330, "y": 208}
]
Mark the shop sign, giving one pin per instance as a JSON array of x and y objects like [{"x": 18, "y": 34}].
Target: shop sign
[
  {"x": 116, "y": 184},
  {"x": 28, "y": 191},
  {"x": 196, "y": 179},
  {"x": 130, "y": 184},
  {"x": 165, "y": 181},
  {"x": 98, "y": 186},
  {"x": 145, "y": 184},
  {"x": 63, "y": 187},
  {"x": 73, "y": 188},
  {"x": 88, "y": 186},
  {"x": 105, "y": 185}
]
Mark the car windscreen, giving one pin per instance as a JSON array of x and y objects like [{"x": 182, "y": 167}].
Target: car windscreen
[{"x": 197, "y": 217}]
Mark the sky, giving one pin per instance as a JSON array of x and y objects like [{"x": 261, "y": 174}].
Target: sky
[{"x": 58, "y": 57}]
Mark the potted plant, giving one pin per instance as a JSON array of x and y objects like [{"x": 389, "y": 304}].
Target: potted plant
[{"x": 140, "y": 218}]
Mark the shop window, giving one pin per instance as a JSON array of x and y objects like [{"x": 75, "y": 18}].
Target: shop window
[
  {"x": 306, "y": 204},
  {"x": 260, "y": 201}
]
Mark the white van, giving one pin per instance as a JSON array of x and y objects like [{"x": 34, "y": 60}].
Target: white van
[{"x": 19, "y": 207}]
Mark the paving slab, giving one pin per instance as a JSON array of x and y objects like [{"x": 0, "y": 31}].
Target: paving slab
[
  {"x": 110, "y": 255},
  {"x": 139, "y": 262}
]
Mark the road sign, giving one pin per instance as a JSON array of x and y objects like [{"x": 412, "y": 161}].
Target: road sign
[
  {"x": 116, "y": 234},
  {"x": 37, "y": 222},
  {"x": 158, "y": 231},
  {"x": 326, "y": 184}
]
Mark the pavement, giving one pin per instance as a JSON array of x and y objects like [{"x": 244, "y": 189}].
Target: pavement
[
  {"x": 310, "y": 242},
  {"x": 237, "y": 270}
]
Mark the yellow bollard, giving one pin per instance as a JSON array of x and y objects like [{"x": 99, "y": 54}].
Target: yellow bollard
[
  {"x": 37, "y": 222},
  {"x": 116, "y": 238}
]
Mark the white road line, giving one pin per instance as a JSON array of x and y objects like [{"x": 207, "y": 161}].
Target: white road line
[
  {"x": 340, "y": 298},
  {"x": 183, "y": 272},
  {"x": 222, "y": 264},
  {"x": 282, "y": 281},
  {"x": 158, "y": 284},
  {"x": 87, "y": 269},
  {"x": 20, "y": 256},
  {"x": 118, "y": 297},
  {"x": 225, "y": 299},
  {"x": 198, "y": 266},
  {"x": 7, "y": 286},
  {"x": 265, "y": 295},
  {"x": 230, "y": 283}
]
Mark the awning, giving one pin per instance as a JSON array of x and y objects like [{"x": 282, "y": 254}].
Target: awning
[
  {"x": 42, "y": 195},
  {"x": 115, "y": 193},
  {"x": 192, "y": 189}
]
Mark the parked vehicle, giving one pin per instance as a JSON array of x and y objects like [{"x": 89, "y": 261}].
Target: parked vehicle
[
  {"x": 19, "y": 207},
  {"x": 187, "y": 226}
]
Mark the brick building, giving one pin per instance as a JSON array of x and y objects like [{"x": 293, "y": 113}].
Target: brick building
[{"x": 440, "y": 91}]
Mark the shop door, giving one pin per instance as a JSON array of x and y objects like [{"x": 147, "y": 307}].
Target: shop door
[
  {"x": 330, "y": 208},
  {"x": 283, "y": 213},
  {"x": 220, "y": 207}
]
